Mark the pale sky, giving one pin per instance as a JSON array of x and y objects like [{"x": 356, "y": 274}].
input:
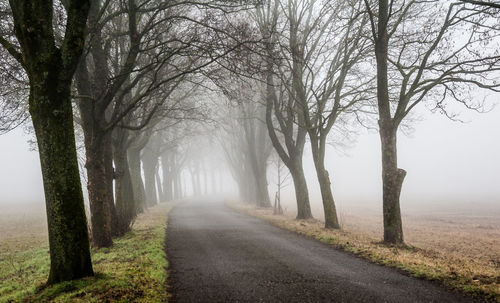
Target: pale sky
[
  {"x": 20, "y": 175},
  {"x": 446, "y": 162}
]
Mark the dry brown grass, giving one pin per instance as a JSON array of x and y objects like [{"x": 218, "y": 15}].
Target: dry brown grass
[
  {"x": 459, "y": 233},
  {"x": 462, "y": 252}
]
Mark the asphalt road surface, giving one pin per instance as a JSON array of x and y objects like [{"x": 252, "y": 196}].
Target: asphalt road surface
[{"x": 219, "y": 255}]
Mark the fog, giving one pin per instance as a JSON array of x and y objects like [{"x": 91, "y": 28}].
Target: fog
[
  {"x": 450, "y": 164},
  {"x": 20, "y": 174},
  {"x": 248, "y": 151}
]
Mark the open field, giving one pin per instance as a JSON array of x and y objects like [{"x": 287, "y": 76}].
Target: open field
[
  {"x": 458, "y": 248},
  {"x": 22, "y": 227},
  {"x": 455, "y": 231},
  {"x": 133, "y": 269}
]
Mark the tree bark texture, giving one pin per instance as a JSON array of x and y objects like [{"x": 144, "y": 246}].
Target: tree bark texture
[
  {"x": 392, "y": 180},
  {"x": 110, "y": 175},
  {"x": 295, "y": 148},
  {"x": 125, "y": 204},
  {"x": 51, "y": 112},
  {"x": 98, "y": 164},
  {"x": 98, "y": 145},
  {"x": 98, "y": 190},
  {"x": 301, "y": 190},
  {"x": 50, "y": 70},
  {"x": 256, "y": 134},
  {"x": 329, "y": 209},
  {"x": 392, "y": 176},
  {"x": 134, "y": 161}
]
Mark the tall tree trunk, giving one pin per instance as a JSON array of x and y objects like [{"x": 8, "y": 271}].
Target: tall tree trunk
[
  {"x": 97, "y": 143},
  {"x": 193, "y": 182},
  {"x": 50, "y": 70},
  {"x": 258, "y": 170},
  {"x": 150, "y": 164},
  {"x": 167, "y": 178},
  {"x": 134, "y": 160},
  {"x": 110, "y": 174},
  {"x": 126, "y": 208},
  {"x": 261, "y": 192},
  {"x": 158, "y": 185},
  {"x": 99, "y": 198},
  {"x": 392, "y": 180},
  {"x": 263, "y": 151},
  {"x": 293, "y": 160},
  {"x": 392, "y": 176},
  {"x": 177, "y": 186},
  {"x": 51, "y": 112},
  {"x": 329, "y": 209},
  {"x": 98, "y": 164},
  {"x": 301, "y": 191},
  {"x": 249, "y": 186},
  {"x": 98, "y": 146}
]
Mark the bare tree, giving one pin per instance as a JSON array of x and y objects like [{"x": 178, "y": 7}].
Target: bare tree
[
  {"x": 15, "y": 88},
  {"x": 483, "y": 3},
  {"x": 245, "y": 140},
  {"x": 321, "y": 51},
  {"x": 418, "y": 58},
  {"x": 50, "y": 66},
  {"x": 137, "y": 49},
  {"x": 282, "y": 109}
]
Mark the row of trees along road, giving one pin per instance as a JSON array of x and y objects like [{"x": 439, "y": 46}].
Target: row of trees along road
[
  {"x": 128, "y": 60},
  {"x": 328, "y": 65},
  {"x": 291, "y": 72}
]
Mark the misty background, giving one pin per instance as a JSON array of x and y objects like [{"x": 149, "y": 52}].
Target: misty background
[{"x": 451, "y": 165}]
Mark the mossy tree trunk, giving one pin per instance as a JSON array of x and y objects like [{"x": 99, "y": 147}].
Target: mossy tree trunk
[
  {"x": 110, "y": 175},
  {"x": 91, "y": 79},
  {"x": 126, "y": 208},
  {"x": 98, "y": 164},
  {"x": 68, "y": 237},
  {"x": 98, "y": 189},
  {"x": 50, "y": 71},
  {"x": 134, "y": 162}
]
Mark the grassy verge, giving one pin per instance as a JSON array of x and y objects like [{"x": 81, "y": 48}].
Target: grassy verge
[
  {"x": 463, "y": 274},
  {"x": 133, "y": 270}
]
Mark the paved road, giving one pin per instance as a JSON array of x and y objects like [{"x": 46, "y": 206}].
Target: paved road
[{"x": 219, "y": 255}]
